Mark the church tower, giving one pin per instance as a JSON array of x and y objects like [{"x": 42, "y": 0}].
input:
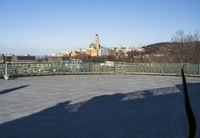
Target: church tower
[
  {"x": 97, "y": 42},
  {"x": 97, "y": 45}
]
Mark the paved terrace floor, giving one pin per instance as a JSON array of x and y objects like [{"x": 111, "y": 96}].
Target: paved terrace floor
[{"x": 96, "y": 106}]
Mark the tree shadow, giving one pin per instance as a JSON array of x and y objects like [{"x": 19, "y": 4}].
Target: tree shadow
[
  {"x": 12, "y": 89},
  {"x": 156, "y": 113}
]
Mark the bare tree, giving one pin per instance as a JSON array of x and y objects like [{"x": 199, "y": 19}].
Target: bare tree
[{"x": 186, "y": 47}]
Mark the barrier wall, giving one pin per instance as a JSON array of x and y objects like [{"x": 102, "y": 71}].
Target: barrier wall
[{"x": 33, "y": 69}]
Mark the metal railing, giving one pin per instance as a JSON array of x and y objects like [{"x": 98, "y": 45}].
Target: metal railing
[{"x": 32, "y": 69}]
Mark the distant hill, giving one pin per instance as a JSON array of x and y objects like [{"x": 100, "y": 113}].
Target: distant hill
[
  {"x": 175, "y": 52},
  {"x": 157, "y": 47},
  {"x": 166, "y": 46}
]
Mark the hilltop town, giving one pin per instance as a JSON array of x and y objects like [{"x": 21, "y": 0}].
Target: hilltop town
[
  {"x": 94, "y": 52},
  {"x": 165, "y": 52}
]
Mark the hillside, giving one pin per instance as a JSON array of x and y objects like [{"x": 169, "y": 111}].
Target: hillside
[{"x": 175, "y": 52}]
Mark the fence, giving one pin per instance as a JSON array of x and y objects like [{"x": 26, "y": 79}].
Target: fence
[
  {"x": 151, "y": 68},
  {"x": 33, "y": 69}
]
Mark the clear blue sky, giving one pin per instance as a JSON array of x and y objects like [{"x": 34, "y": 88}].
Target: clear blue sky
[{"x": 48, "y": 26}]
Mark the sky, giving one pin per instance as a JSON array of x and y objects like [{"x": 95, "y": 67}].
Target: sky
[{"x": 44, "y": 27}]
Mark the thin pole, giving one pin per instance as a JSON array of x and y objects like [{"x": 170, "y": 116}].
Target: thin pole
[
  {"x": 6, "y": 77},
  {"x": 6, "y": 67}
]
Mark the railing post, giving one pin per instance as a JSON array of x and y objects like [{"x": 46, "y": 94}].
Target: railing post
[{"x": 6, "y": 76}]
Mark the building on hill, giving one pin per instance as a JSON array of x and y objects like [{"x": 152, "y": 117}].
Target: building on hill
[
  {"x": 57, "y": 58},
  {"x": 78, "y": 50},
  {"x": 94, "y": 48},
  {"x": 92, "y": 45},
  {"x": 2, "y": 58},
  {"x": 27, "y": 58},
  {"x": 112, "y": 52},
  {"x": 7, "y": 58},
  {"x": 93, "y": 52},
  {"x": 63, "y": 53},
  {"x": 104, "y": 51},
  {"x": 13, "y": 58}
]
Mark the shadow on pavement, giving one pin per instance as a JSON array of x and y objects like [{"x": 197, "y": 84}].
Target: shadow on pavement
[
  {"x": 12, "y": 89},
  {"x": 156, "y": 113}
]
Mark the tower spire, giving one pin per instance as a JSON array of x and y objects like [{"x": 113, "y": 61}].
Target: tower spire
[{"x": 97, "y": 42}]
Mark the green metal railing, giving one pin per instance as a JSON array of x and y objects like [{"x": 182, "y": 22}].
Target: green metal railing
[
  {"x": 2, "y": 69},
  {"x": 31, "y": 69},
  {"x": 161, "y": 68}
]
